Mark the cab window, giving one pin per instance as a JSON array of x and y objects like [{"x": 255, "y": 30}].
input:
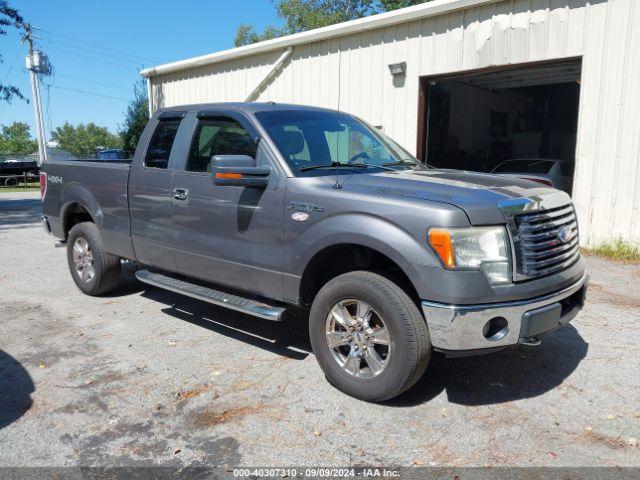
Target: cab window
[
  {"x": 161, "y": 143},
  {"x": 218, "y": 136}
]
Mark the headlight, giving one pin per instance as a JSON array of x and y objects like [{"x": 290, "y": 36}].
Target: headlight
[{"x": 477, "y": 248}]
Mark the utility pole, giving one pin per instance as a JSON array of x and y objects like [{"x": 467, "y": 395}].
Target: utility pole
[{"x": 37, "y": 63}]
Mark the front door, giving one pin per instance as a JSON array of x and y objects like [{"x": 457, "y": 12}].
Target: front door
[{"x": 227, "y": 234}]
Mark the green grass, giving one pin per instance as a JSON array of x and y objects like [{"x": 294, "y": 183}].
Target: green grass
[
  {"x": 617, "y": 251},
  {"x": 31, "y": 187}
]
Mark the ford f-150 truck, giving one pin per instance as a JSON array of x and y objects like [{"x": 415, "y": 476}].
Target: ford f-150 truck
[{"x": 268, "y": 208}]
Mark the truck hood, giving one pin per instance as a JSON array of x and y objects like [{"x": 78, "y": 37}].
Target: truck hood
[{"x": 478, "y": 194}]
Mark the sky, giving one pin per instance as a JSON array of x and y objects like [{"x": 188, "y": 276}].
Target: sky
[{"x": 97, "y": 48}]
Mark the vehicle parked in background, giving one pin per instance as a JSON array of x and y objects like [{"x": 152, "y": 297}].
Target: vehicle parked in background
[
  {"x": 557, "y": 173},
  {"x": 269, "y": 209},
  {"x": 16, "y": 170},
  {"x": 18, "y": 166},
  {"x": 113, "y": 154}
]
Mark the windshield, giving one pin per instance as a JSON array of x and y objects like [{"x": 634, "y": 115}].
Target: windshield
[
  {"x": 311, "y": 140},
  {"x": 524, "y": 166}
]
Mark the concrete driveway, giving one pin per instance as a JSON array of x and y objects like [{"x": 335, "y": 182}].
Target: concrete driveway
[{"x": 144, "y": 377}]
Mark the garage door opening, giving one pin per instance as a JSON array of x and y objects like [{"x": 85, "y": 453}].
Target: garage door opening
[{"x": 521, "y": 121}]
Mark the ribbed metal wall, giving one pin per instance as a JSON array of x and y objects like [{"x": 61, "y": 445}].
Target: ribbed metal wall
[{"x": 351, "y": 73}]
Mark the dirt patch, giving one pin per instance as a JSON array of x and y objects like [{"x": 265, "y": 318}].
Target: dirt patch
[
  {"x": 92, "y": 404},
  {"x": 592, "y": 436},
  {"x": 215, "y": 452},
  {"x": 613, "y": 298},
  {"x": 144, "y": 450},
  {"x": 184, "y": 395},
  {"x": 211, "y": 417}
]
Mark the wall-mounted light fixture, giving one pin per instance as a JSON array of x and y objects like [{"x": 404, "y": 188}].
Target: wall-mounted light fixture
[{"x": 398, "y": 68}]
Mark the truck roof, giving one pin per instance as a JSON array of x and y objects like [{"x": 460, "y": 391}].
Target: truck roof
[{"x": 247, "y": 107}]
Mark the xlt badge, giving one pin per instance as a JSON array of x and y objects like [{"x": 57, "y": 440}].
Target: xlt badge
[{"x": 304, "y": 207}]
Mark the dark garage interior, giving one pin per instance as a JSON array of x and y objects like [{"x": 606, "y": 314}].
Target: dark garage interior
[{"x": 477, "y": 121}]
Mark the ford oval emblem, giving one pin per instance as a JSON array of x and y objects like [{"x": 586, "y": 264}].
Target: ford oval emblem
[{"x": 565, "y": 234}]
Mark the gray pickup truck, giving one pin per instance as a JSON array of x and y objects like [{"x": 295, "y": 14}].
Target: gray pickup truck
[{"x": 266, "y": 208}]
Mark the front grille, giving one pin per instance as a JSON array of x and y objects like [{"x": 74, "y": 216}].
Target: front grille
[{"x": 546, "y": 242}]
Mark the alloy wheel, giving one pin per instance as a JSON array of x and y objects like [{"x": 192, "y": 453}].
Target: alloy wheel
[
  {"x": 83, "y": 259},
  {"x": 358, "y": 338}
]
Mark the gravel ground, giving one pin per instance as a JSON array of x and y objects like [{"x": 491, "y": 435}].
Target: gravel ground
[{"x": 147, "y": 377}]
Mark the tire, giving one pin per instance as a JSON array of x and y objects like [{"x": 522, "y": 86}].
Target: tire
[
  {"x": 11, "y": 182},
  {"x": 105, "y": 266},
  {"x": 409, "y": 346}
]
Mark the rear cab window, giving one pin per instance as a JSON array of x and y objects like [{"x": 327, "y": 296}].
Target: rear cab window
[{"x": 161, "y": 143}]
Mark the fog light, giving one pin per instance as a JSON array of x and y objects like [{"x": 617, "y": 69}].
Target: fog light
[{"x": 495, "y": 329}]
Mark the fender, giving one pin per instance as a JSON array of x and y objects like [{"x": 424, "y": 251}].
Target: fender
[
  {"x": 367, "y": 230},
  {"x": 75, "y": 192}
]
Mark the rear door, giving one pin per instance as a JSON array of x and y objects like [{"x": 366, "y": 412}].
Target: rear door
[
  {"x": 228, "y": 234},
  {"x": 150, "y": 194}
]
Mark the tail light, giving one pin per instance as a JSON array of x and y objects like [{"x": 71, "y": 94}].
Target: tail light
[
  {"x": 549, "y": 183},
  {"x": 43, "y": 185}
]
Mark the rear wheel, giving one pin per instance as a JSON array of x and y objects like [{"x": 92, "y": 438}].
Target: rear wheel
[
  {"x": 368, "y": 336},
  {"x": 94, "y": 270}
]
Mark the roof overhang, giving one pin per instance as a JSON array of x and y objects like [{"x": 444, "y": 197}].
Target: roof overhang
[{"x": 416, "y": 12}]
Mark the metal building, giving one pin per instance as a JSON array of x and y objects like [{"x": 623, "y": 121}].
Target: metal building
[{"x": 464, "y": 84}]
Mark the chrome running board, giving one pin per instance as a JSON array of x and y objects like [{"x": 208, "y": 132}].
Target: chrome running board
[{"x": 233, "y": 302}]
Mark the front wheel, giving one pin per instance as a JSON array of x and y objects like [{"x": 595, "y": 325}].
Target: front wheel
[
  {"x": 94, "y": 270},
  {"x": 368, "y": 336}
]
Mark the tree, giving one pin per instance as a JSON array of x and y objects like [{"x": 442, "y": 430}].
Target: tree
[
  {"x": 16, "y": 139},
  {"x": 303, "y": 15},
  {"x": 84, "y": 140},
  {"x": 388, "y": 5},
  {"x": 246, "y": 35},
  {"x": 136, "y": 117},
  {"x": 9, "y": 17}
]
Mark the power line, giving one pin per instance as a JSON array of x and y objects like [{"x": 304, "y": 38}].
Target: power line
[
  {"x": 86, "y": 92},
  {"x": 12, "y": 65},
  {"x": 100, "y": 47},
  {"x": 97, "y": 82},
  {"x": 19, "y": 82},
  {"x": 94, "y": 59},
  {"x": 93, "y": 51}
]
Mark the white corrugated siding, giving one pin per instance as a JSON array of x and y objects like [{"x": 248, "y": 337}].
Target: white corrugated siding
[{"x": 606, "y": 34}]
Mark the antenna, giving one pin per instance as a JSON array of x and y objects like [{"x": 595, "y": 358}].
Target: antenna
[{"x": 337, "y": 185}]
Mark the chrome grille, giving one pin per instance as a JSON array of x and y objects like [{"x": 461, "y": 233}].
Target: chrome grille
[{"x": 546, "y": 241}]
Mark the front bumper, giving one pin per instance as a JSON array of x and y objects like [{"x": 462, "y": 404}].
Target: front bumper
[{"x": 455, "y": 328}]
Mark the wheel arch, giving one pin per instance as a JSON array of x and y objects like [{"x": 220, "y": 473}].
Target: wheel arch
[
  {"x": 78, "y": 205},
  {"x": 363, "y": 241},
  {"x": 337, "y": 259},
  {"x": 74, "y": 213}
]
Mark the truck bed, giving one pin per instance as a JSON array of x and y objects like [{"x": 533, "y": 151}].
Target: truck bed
[{"x": 99, "y": 185}]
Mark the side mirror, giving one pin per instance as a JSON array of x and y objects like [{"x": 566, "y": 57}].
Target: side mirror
[{"x": 239, "y": 171}]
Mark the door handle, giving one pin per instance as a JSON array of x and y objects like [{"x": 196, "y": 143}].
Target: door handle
[{"x": 180, "y": 193}]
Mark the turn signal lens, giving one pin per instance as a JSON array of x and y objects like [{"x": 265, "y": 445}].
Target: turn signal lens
[
  {"x": 228, "y": 175},
  {"x": 440, "y": 240}
]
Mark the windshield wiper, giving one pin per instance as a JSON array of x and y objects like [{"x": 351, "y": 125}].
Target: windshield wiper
[
  {"x": 343, "y": 165},
  {"x": 406, "y": 162}
]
